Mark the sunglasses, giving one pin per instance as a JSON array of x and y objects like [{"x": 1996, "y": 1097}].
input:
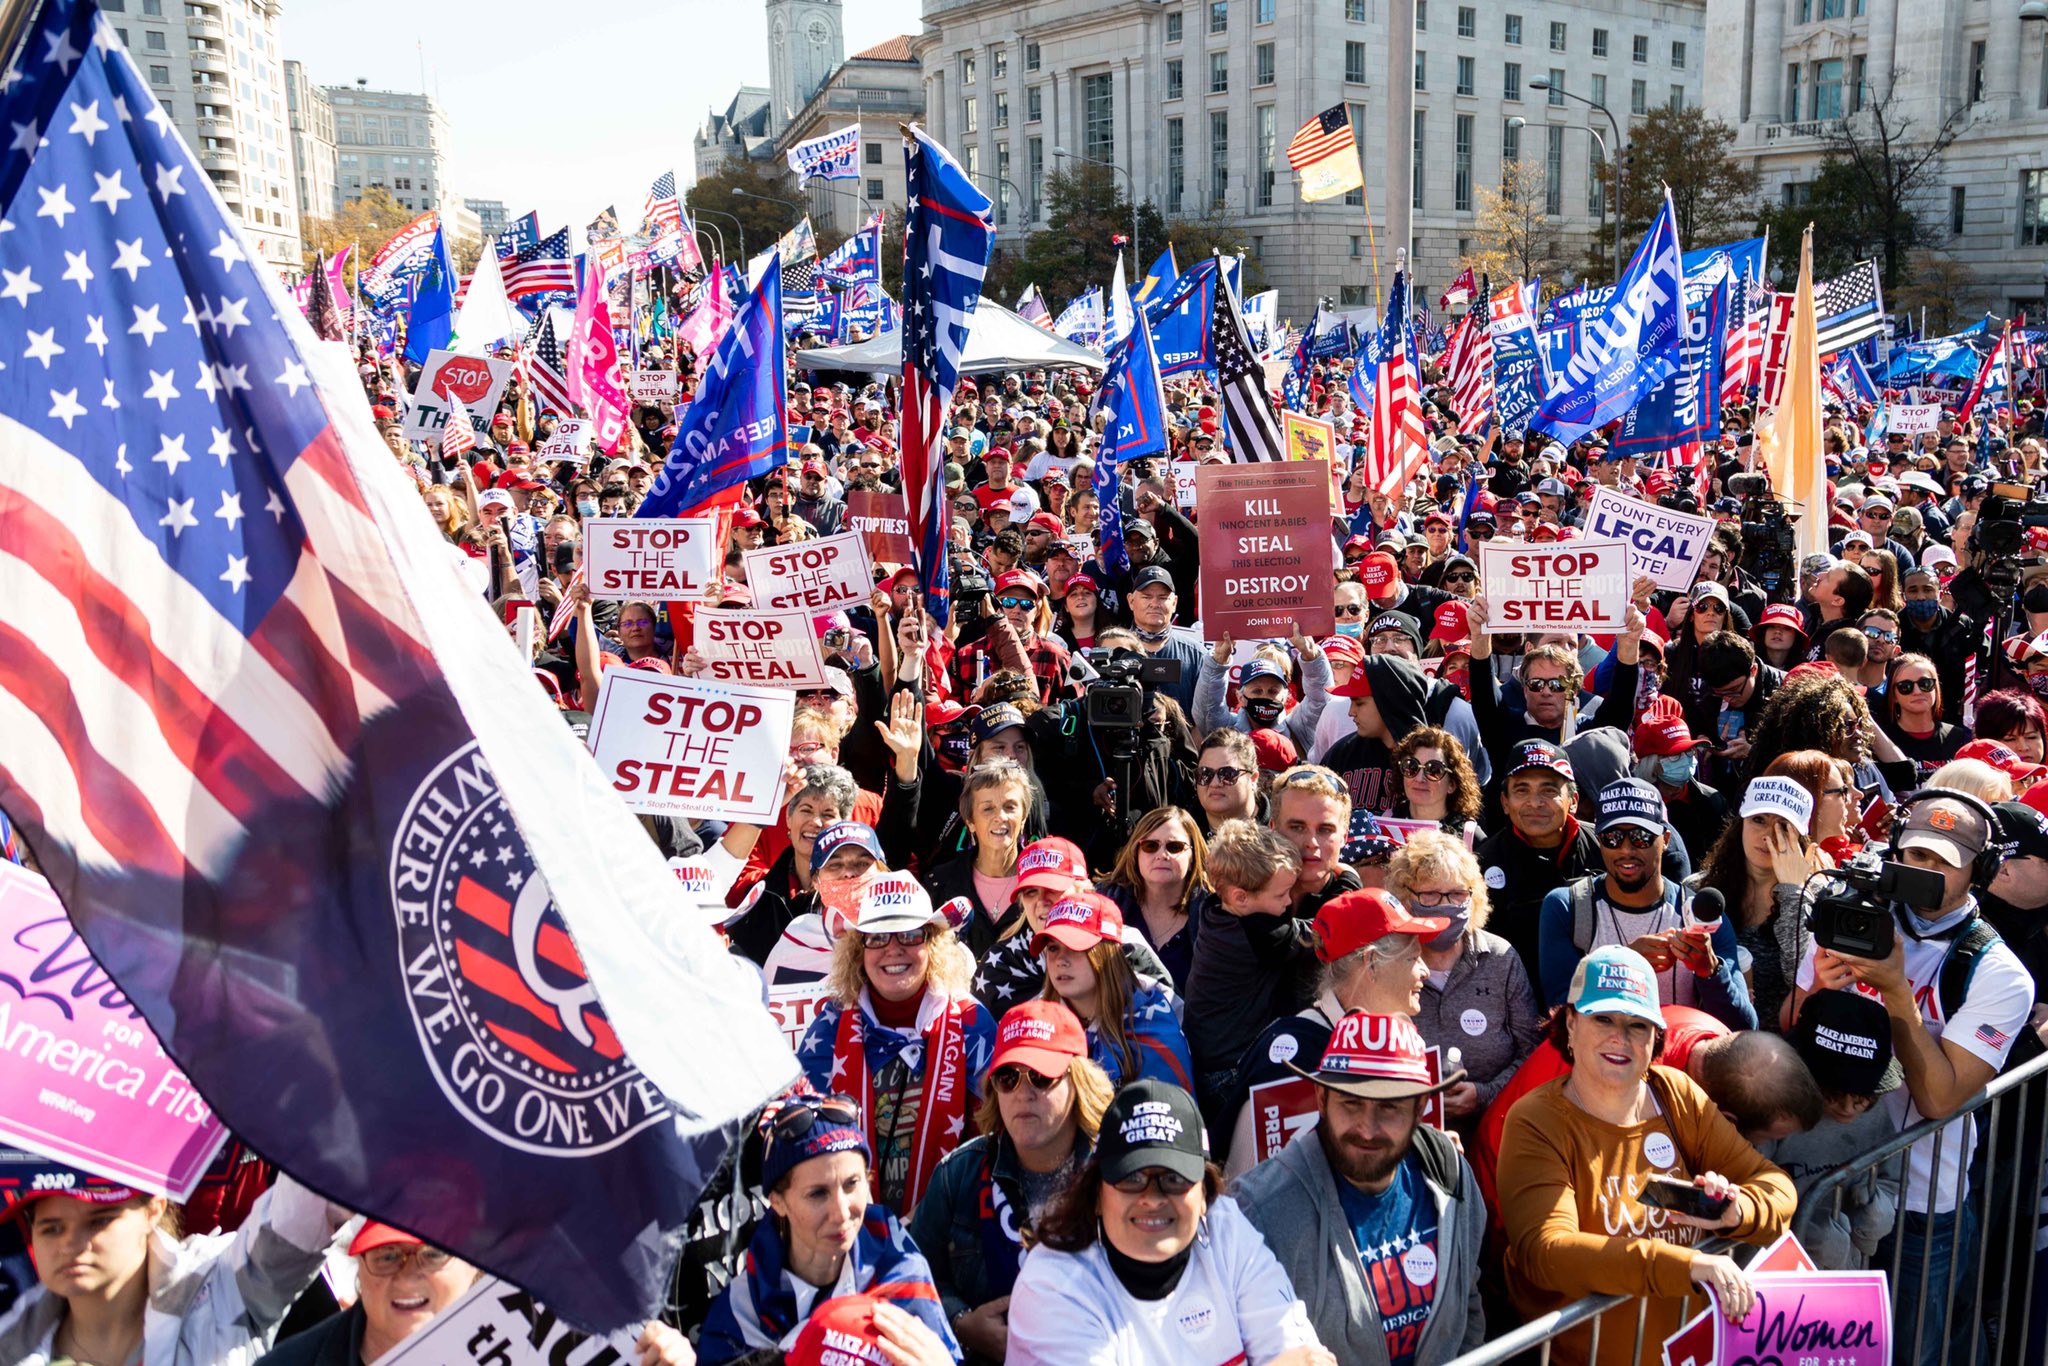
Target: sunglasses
[
  {"x": 1633, "y": 838},
  {"x": 1007, "y": 1079},
  {"x": 906, "y": 939},
  {"x": 826, "y": 696},
  {"x": 1169, "y": 1183},
  {"x": 1882, "y": 636},
  {"x": 385, "y": 1262},
  {"x": 1709, "y": 605},
  {"x": 1913, "y": 685},
  {"x": 795, "y": 1120},
  {"x": 1433, "y": 770},
  {"x": 1153, "y": 846},
  {"x": 1461, "y": 577},
  {"x": 1227, "y": 776},
  {"x": 1350, "y": 609},
  {"x": 1877, "y": 514},
  {"x": 1841, "y": 791},
  {"x": 1015, "y": 603},
  {"x": 1550, "y": 685}
]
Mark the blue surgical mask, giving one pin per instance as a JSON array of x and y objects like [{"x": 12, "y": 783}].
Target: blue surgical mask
[
  {"x": 586, "y": 508},
  {"x": 1354, "y": 629},
  {"x": 1923, "y": 610},
  {"x": 1677, "y": 769}
]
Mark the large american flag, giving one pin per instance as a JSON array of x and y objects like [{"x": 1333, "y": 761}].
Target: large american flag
[
  {"x": 1248, "y": 421},
  {"x": 1469, "y": 366},
  {"x": 1743, "y": 359},
  {"x": 946, "y": 243},
  {"x": 546, "y": 267},
  {"x": 298, "y": 798},
  {"x": 664, "y": 212},
  {"x": 1398, "y": 446},
  {"x": 546, "y": 363}
]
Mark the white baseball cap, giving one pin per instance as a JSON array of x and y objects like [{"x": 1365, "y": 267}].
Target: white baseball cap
[{"x": 1776, "y": 796}]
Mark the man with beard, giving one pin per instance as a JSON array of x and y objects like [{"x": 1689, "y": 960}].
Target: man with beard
[{"x": 1377, "y": 1218}]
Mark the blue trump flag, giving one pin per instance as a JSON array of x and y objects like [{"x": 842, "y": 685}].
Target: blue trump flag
[
  {"x": 299, "y": 799},
  {"x": 1181, "y": 321},
  {"x": 1135, "y": 400},
  {"x": 433, "y": 305},
  {"x": 1686, "y": 407},
  {"x": 1628, "y": 348},
  {"x": 1158, "y": 283},
  {"x": 737, "y": 427}
]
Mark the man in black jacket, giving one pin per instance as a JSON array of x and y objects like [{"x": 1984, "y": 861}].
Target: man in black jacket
[
  {"x": 1544, "y": 845},
  {"x": 1948, "y": 638},
  {"x": 1738, "y": 686}
]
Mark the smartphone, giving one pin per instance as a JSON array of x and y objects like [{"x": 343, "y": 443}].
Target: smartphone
[
  {"x": 1729, "y": 725},
  {"x": 1682, "y": 1197}
]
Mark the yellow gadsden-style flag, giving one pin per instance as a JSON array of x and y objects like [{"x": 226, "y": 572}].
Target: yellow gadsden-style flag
[{"x": 1797, "y": 466}]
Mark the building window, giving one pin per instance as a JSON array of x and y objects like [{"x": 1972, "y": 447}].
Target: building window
[
  {"x": 1219, "y": 72},
  {"x": 159, "y": 75},
  {"x": 1827, "y": 89},
  {"x": 1034, "y": 103},
  {"x": 1510, "y": 145},
  {"x": 1421, "y": 130},
  {"x": 1677, "y": 101},
  {"x": 153, "y": 8},
  {"x": 1174, "y": 86},
  {"x": 1511, "y": 83},
  {"x": 1355, "y": 244},
  {"x": 1176, "y": 164},
  {"x": 1219, "y": 16},
  {"x": 1600, "y": 91},
  {"x": 1262, "y": 64},
  {"x": 1599, "y": 42},
  {"x": 1831, "y": 9},
  {"x": 1639, "y": 50},
  {"x": 1002, "y": 190},
  {"x": 1955, "y": 210},
  {"x": 1031, "y": 49},
  {"x": 999, "y": 108},
  {"x": 1467, "y": 76},
  {"x": 1421, "y": 16},
  {"x": 1354, "y": 11},
  {"x": 1596, "y": 180},
  {"x": 1034, "y": 176},
  {"x": 970, "y": 115},
  {"x": 1219, "y": 159},
  {"x": 1553, "y": 170},
  {"x": 1857, "y": 93},
  {"x": 1468, "y": 22},
  {"x": 1462, "y": 184},
  {"x": 872, "y": 153},
  {"x": 1173, "y": 28},
  {"x": 998, "y": 63},
  {"x": 1792, "y": 92},
  {"x": 1353, "y": 296},
  {"x": 1513, "y": 30},
  {"x": 1557, "y": 87},
  {"x": 1421, "y": 70},
  {"x": 1269, "y": 135},
  {"x": 1264, "y": 12},
  {"x": 967, "y": 68},
  {"x": 1976, "y": 72},
  {"x": 1354, "y": 63},
  {"x": 1678, "y": 56},
  {"x": 1355, "y": 115},
  {"x": 1098, "y": 117},
  {"x": 1557, "y": 37},
  {"x": 2034, "y": 208},
  {"x": 153, "y": 40},
  {"x": 972, "y": 161},
  {"x": 1638, "y": 97}
]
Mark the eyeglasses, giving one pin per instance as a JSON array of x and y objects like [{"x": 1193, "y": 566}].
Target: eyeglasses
[
  {"x": 1437, "y": 901},
  {"x": 1433, "y": 769},
  {"x": 1912, "y": 685},
  {"x": 1461, "y": 577},
  {"x": 805, "y": 749},
  {"x": 1173, "y": 847},
  {"x": 1842, "y": 791},
  {"x": 386, "y": 1262},
  {"x": 1007, "y": 1079},
  {"x": 1227, "y": 776},
  {"x": 1014, "y": 603},
  {"x": 1632, "y": 837},
  {"x": 906, "y": 939},
  {"x": 1350, "y": 609},
  {"x": 1549, "y": 685},
  {"x": 1169, "y": 1183},
  {"x": 823, "y": 695}
]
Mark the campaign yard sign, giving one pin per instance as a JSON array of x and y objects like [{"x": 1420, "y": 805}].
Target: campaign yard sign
[
  {"x": 768, "y": 649},
  {"x": 684, "y": 747},
  {"x": 1668, "y": 546},
  {"x": 83, "y": 1079},
  {"x": 477, "y": 380},
  {"x": 495, "y": 1323},
  {"x": 656, "y": 559},
  {"x": 883, "y": 521},
  {"x": 1270, "y": 556},
  {"x": 567, "y": 441},
  {"x": 832, "y": 571},
  {"x": 1570, "y": 586}
]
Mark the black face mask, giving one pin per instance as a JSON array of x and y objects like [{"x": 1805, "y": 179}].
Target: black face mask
[{"x": 1262, "y": 712}]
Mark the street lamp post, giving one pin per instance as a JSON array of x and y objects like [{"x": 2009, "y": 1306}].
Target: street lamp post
[
  {"x": 1007, "y": 183},
  {"x": 1620, "y": 171},
  {"x": 1606, "y": 155},
  {"x": 741, "y": 192},
  {"x": 1137, "y": 257},
  {"x": 731, "y": 218}
]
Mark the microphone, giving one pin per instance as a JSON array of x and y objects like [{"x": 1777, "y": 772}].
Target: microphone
[{"x": 1708, "y": 907}]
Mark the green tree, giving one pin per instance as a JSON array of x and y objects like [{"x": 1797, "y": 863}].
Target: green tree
[
  {"x": 750, "y": 191},
  {"x": 365, "y": 224},
  {"x": 1713, "y": 195},
  {"x": 1214, "y": 232},
  {"x": 1073, "y": 252}
]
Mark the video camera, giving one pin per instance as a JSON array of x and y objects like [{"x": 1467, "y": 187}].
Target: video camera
[
  {"x": 1115, "y": 699},
  {"x": 969, "y": 590},
  {"x": 1853, "y": 913},
  {"x": 2003, "y": 519},
  {"x": 1768, "y": 545}
]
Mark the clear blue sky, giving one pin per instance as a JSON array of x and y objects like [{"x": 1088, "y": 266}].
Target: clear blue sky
[{"x": 561, "y": 107}]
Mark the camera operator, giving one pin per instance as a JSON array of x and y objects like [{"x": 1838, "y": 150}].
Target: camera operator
[{"x": 1957, "y": 996}]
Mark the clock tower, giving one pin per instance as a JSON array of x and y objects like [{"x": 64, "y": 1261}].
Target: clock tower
[{"x": 805, "y": 47}]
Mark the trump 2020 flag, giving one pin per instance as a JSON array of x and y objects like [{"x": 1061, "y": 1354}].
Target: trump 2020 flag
[
  {"x": 1135, "y": 400},
  {"x": 831, "y": 157},
  {"x": 857, "y": 260},
  {"x": 737, "y": 426},
  {"x": 947, "y": 237},
  {"x": 1629, "y": 347},
  {"x": 301, "y": 801}
]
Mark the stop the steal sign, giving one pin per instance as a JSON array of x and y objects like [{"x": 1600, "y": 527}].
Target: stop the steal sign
[
  {"x": 772, "y": 649},
  {"x": 654, "y": 559},
  {"x": 1572, "y": 586},
  {"x": 813, "y": 575}
]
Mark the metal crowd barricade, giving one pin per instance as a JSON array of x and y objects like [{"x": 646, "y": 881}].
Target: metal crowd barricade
[{"x": 2004, "y": 1185}]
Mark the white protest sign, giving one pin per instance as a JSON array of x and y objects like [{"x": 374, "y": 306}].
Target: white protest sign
[
  {"x": 567, "y": 440},
  {"x": 497, "y": 1322},
  {"x": 1913, "y": 418},
  {"x": 794, "y": 1005},
  {"x": 814, "y": 575},
  {"x": 477, "y": 380},
  {"x": 651, "y": 386},
  {"x": 1184, "y": 481},
  {"x": 1666, "y": 545},
  {"x": 1571, "y": 586},
  {"x": 683, "y": 747},
  {"x": 771, "y": 649},
  {"x": 658, "y": 559}
]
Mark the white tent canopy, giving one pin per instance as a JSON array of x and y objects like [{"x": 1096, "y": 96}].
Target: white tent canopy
[{"x": 999, "y": 341}]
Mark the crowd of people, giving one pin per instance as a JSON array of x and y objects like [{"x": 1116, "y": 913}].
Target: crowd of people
[{"x": 1388, "y": 988}]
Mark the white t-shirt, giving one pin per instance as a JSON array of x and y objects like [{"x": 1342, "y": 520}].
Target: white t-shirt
[{"x": 1994, "y": 1010}]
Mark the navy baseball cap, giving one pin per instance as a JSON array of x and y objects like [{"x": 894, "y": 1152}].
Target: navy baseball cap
[{"x": 1630, "y": 801}]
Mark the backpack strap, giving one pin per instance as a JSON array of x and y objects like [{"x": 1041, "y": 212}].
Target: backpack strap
[
  {"x": 1953, "y": 985},
  {"x": 1582, "y": 913}
]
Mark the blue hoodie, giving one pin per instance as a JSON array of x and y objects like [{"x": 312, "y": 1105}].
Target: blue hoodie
[{"x": 1155, "y": 1038}]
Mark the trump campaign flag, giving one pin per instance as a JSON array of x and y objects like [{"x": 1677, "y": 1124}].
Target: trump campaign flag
[
  {"x": 830, "y": 157},
  {"x": 432, "y": 323},
  {"x": 593, "y": 361},
  {"x": 947, "y": 238},
  {"x": 298, "y": 795},
  {"x": 1135, "y": 400},
  {"x": 737, "y": 426},
  {"x": 857, "y": 260},
  {"x": 1630, "y": 346}
]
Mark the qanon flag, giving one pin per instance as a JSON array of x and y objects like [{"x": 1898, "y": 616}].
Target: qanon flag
[{"x": 1630, "y": 347}]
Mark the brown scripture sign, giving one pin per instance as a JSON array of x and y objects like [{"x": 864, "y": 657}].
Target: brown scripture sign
[{"x": 1267, "y": 557}]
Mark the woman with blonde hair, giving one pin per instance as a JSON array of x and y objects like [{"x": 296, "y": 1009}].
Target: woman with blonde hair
[
  {"x": 902, "y": 1035},
  {"x": 1478, "y": 1007},
  {"x": 1160, "y": 883}
]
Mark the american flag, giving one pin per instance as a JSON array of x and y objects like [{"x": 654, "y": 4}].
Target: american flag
[
  {"x": 547, "y": 371},
  {"x": 458, "y": 436},
  {"x": 1398, "y": 446},
  {"x": 946, "y": 243},
  {"x": 1850, "y": 307},
  {"x": 1997, "y": 1038},
  {"x": 234, "y": 663},
  {"x": 1248, "y": 421},
  {"x": 1469, "y": 366},
  {"x": 543, "y": 268},
  {"x": 1742, "y": 360},
  {"x": 664, "y": 212}
]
